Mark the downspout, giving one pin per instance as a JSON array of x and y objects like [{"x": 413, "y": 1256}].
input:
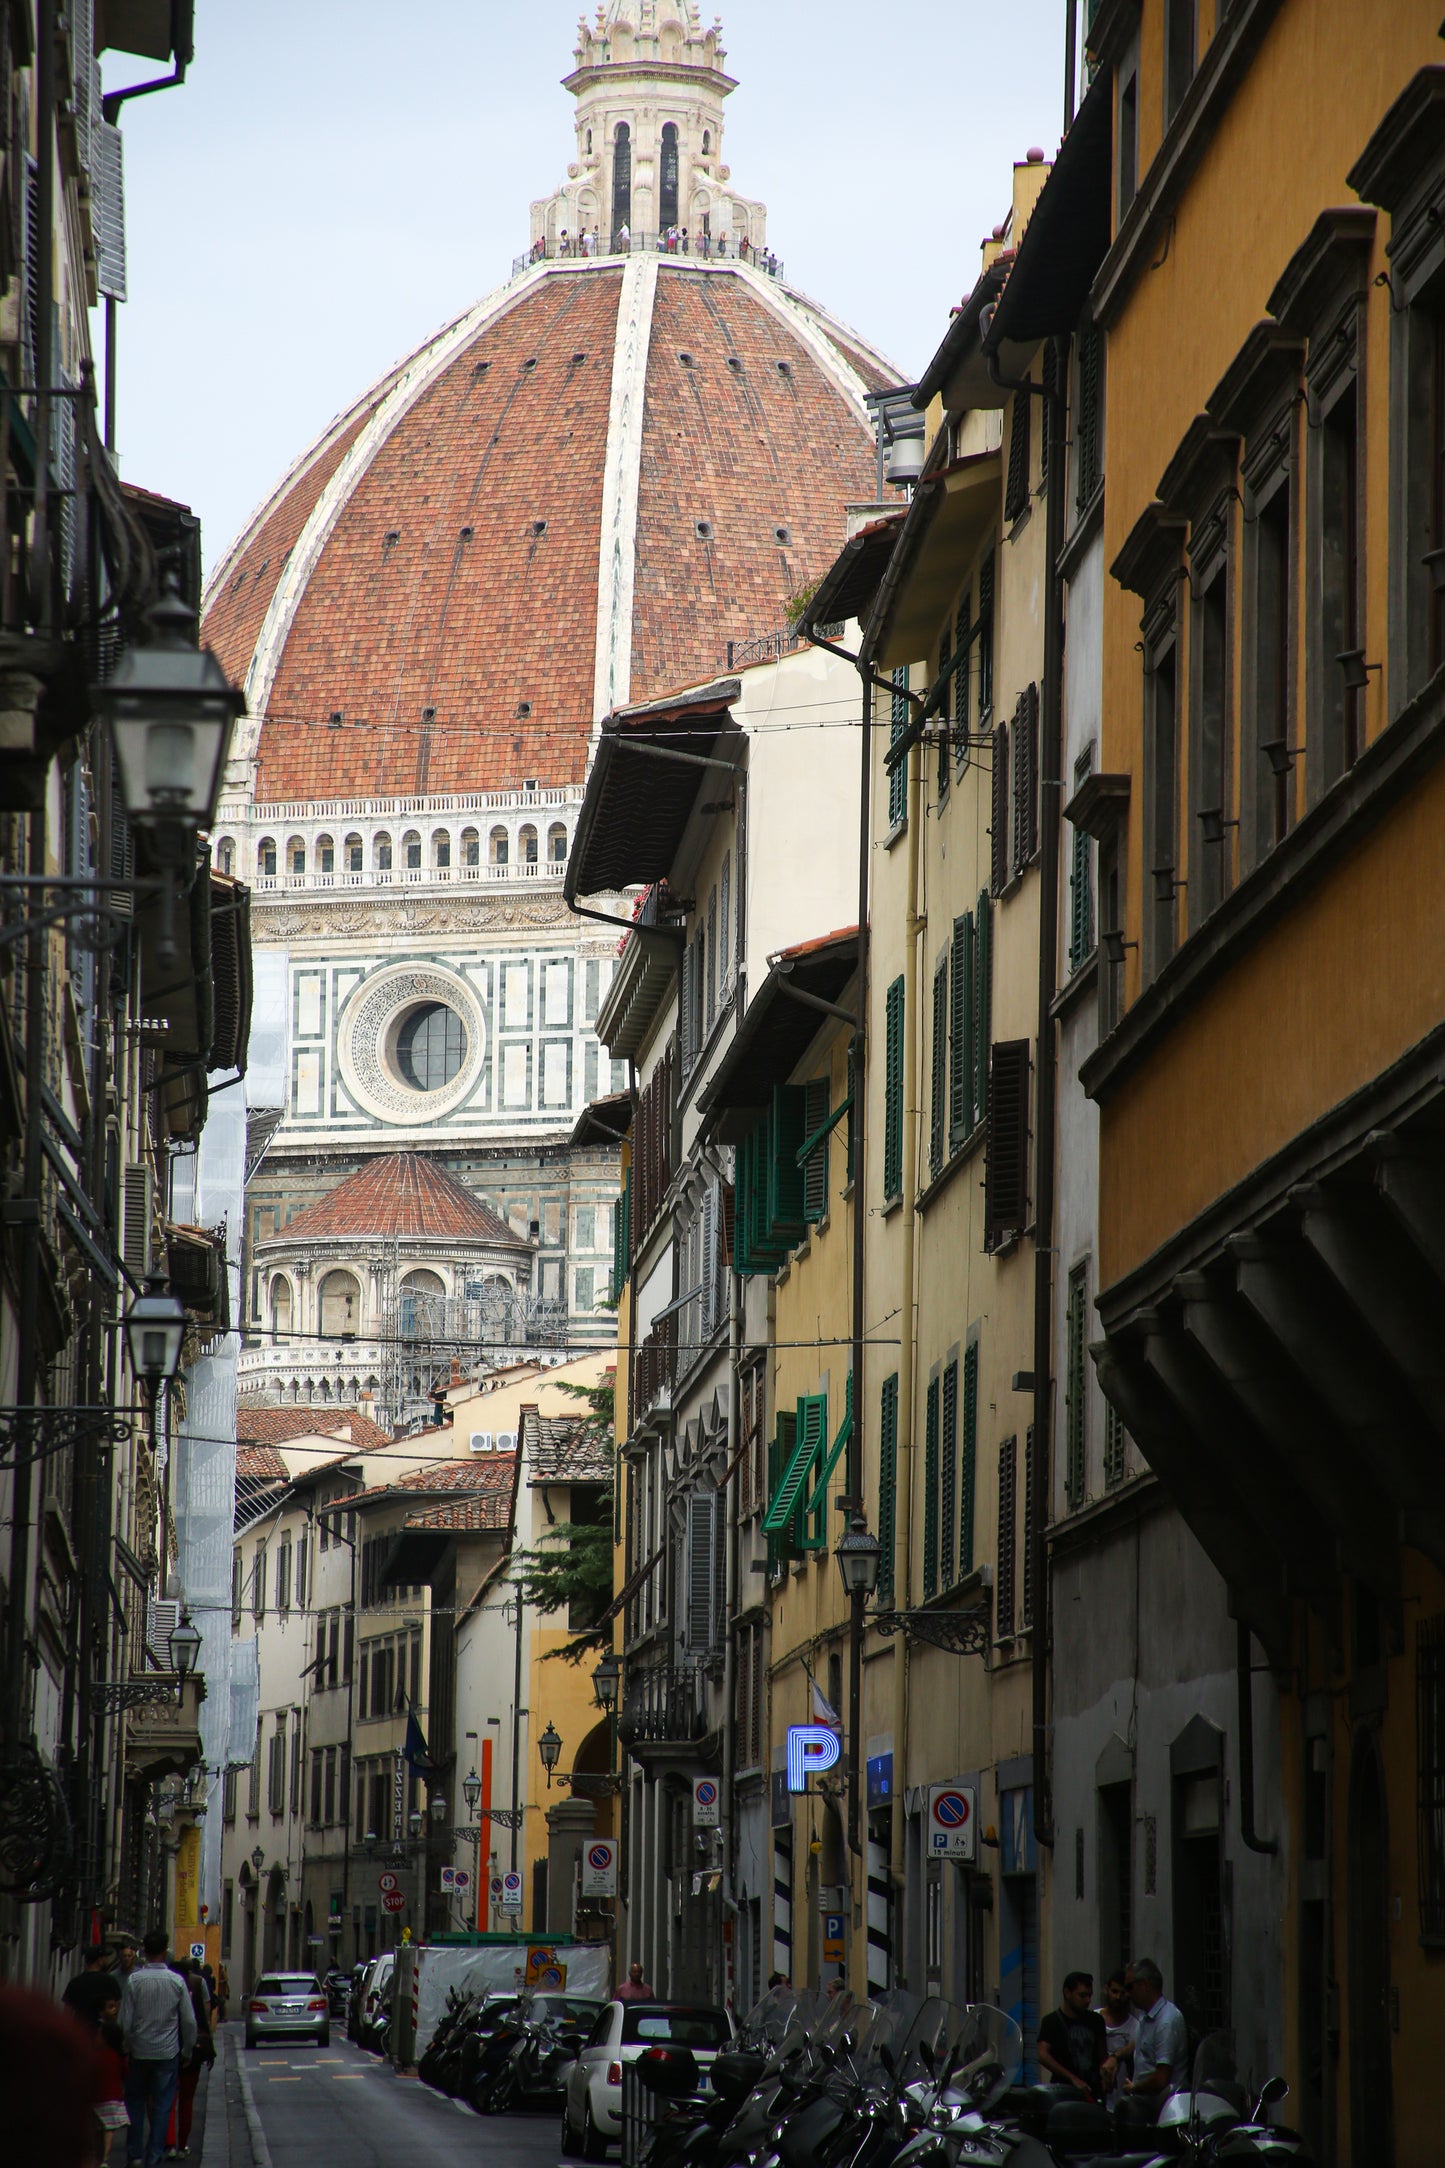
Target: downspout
[
  {"x": 907, "y": 1352},
  {"x": 731, "y": 1598},
  {"x": 1247, "y": 1829},
  {"x": 182, "y": 46}
]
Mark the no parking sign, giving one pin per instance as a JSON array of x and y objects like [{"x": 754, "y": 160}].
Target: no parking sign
[
  {"x": 706, "y": 1807},
  {"x": 599, "y": 1867},
  {"x": 952, "y": 1821}
]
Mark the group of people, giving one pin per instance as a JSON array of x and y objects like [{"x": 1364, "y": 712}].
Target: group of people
[
  {"x": 152, "y": 2020},
  {"x": 1130, "y": 2053},
  {"x": 675, "y": 241}
]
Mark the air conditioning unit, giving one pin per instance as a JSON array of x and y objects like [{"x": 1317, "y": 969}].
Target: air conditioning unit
[
  {"x": 506, "y": 1441},
  {"x": 481, "y": 1441}
]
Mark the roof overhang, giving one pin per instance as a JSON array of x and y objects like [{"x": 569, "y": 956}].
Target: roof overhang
[
  {"x": 959, "y": 372},
  {"x": 606, "y": 1121},
  {"x": 639, "y": 988},
  {"x": 777, "y": 1030},
  {"x": 1067, "y": 237},
  {"x": 849, "y": 585},
  {"x": 640, "y": 794},
  {"x": 947, "y": 520}
]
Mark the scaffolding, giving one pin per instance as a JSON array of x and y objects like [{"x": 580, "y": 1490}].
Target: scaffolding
[{"x": 433, "y": 1340}]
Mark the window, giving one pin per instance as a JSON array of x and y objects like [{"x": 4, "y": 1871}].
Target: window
[
  {"x": 754, "y": 1469},
  {"x": 1081, "y": 880},
  {"x": 303, "y": 1550},
  {"x": 999, "y": 811},
  {"x": 471, "y": 848},
  {"x": 1016, "y": 487},
  {"x": 228, "y": 1794},
  {"x": 948, "y": 1478},
  {"x": 930, "y": 1491},
  {"x": 276, "y": 1768},
  {"x": 1027, "y": 1618},
  {"x": 296, "y": 856},
  {"x": 325, "y": 855},
  {"x": 258, "y": 1584},
  {"x": 1161, "y": 812},
  {"x": 1127, "y": 140},
  {"x": 1006, "y": 1171},
  {"x": 667, "y": 178},
  {"x": 1430, "y": 1762},
  {"x": 725, "y": 926},
  {"x": 1005, "y": 1582},
  {"x": 411, "y": 846},
  {"x": 942, "y": 716},
  {"x": 266, "y": 859},
  {"x": 382, "y": 850},
  {"x": 983, "y": 641},
  {"x": 1076, "y": 1389},
  {"x": 970, "y": 1006},
  {"x": 441, "y": 851},
  {"x": 1025, "y": 748},
  {"x": 499, "y": 846},
  {"x": 1268, "y": 679},
  {"x": 226, "y": 855},
  {"x": 711, "y": 953},
  {"x": 1340, "y": 705},
  {"x": 1211, "y": 754},
  {"x": 898, "y": 773},
  {"x": 556, "y": 844},
  {"x": 1088, "y": 415},
  {"x": 621, "y": 181},
  {"x": 1114, "y": 1442},
  {"x": 431, "y": 1047},
  {"x": 964, "y": 637},
  {"x": 328, "y": 1805},
  {"x": 1179, "y": 50},
  {"x": 817, "y": 1096},
  {"x": 317, "y": 1786},
  {"x": 893, "y": 1092},
  {"x": 238, "y": 1583},
  {"x": 253, "y": 1780},
  {"x": 283, "y": 1575},
  {"x": 528, "y": 843},
  {"x": 969, "y": 1460},
  {"x": 887, "y": 1489},
  {"x": 938, "y": 1071},
  {"x": 355, "y": 854}
]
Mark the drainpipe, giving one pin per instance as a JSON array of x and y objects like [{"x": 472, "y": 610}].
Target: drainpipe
[
  {"x": 732, "y": 1599},
  {"x": 1245, "y": 1673}
]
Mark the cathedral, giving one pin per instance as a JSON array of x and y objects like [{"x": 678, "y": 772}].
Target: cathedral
[{"x": 599, "y": 484}]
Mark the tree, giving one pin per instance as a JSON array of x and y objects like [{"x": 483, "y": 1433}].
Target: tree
[{"x": 571, "y": 1568}]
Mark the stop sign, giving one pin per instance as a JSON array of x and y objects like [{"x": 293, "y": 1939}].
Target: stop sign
[{"x": 392, "y": 1901}]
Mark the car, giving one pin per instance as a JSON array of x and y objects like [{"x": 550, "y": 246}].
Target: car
[
  {"x": 288, "y": 2006},
  {"x": 373, "y": 2002},
  {"x": 592, "y": 2103}
]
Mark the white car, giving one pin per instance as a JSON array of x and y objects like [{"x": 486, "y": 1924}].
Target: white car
[{"x": 592, "y": 2103}]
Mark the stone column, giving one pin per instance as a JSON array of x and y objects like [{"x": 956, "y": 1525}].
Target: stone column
[{"x": 569, "y": 1824}]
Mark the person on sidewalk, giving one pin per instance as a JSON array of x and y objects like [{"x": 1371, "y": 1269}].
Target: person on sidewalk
[
  {"x": 92, "y": 1989},
  {"x": 1161, "y": 2050},
  {"x": 1073, "y": 2043},
  {"x": 178, "y": 2131},
  {"x": 110, "y": 2108},
  {"x": 158, "y": 2025},
  {"x": 635, "y": 1988}
]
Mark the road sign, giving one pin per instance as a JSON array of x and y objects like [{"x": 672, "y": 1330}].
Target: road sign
[
  {"x": 599, "y": 1868},
  {"x": 511, "y": 1893},
  {"x": 457, "y": 1879},
  {"x": 393, "y": 1901},
  {"x": 832, "y": 1938},
  {"x": 496, "y": 1889},
  {"x": 706, "y": 1805},
  {"x": 811, "y": 1747},
  {"x": 198, "y": 1951},
  {"x": 952, "y": 1821},
  {"x": 387, "y": 1882},
  {"x": 545, "y": 1968}
]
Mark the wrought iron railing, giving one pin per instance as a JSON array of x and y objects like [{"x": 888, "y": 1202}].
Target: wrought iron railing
[
  {"x": 699, "y": 248},
  {"x": 771, "y": 646},
  {"x": 662, "y": 1705}
]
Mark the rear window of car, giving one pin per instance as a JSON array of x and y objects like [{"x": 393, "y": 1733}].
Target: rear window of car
[
  {"x": 575, "y": 2009},
  {"x": 680, "y": 2028},
  {"x": 288, "y": 1983}
]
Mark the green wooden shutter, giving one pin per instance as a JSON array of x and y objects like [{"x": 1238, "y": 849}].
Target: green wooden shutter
[
  {"x": 930, "y": 1492},
  {"x": 780, "y": 1454},
  {"x": 998, "y": 830},
  {"x": 1005, "y": 1603},
  {"x": 941, "y": 713},
  {"x": 816, "y": 1510},
  {"x": 852, "y": 1111},
  {"x": 938, "y": 1073},
  {"x": 887, "y": 1489},
  {"x": 982, "y": 1006},
  {"x": 788, "y": 1131},
  {"x": 968, "y": 1470},
  {"x": 948, "y": 1480},
  {"x": 784, "y": 1507},
  {"x": 817, "y": 1096},
  {"x": 960, "y": 1046},
  {"x": 1016, "y": 489},
  {"x": 963, "y": 637},
  {"x": 983, "y": 632},
  {"x": 1076, "y": 1427},
  {"x": 893, "y": 1093},
  {"x": 811, "y": 1447},
  {"x": 1086, "y": 413},
  {"x": 898, "y": 776}
]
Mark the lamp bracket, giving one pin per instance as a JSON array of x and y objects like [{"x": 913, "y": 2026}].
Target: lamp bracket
[
  {"x": 33, "y": 1433},
  {"x": 158, "y": 1693},
  {"x": 958, "y": 1633}
]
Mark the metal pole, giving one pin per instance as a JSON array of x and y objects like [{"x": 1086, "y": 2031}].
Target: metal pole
[
  {"x": 858, "y": 1936},
  {"x": 517, "y": 1729}
]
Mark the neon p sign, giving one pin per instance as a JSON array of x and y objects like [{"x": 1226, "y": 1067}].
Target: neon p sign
[{"x": 812, "y": 1748}]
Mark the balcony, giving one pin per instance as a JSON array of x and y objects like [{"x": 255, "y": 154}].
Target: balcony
[
  {"x": 665, "y": 1706},
  {"x": 654, "y": 1371},
  {"x": 163, "y": 1737}
]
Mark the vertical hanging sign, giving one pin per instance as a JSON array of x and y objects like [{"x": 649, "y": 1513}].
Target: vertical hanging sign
[{"x": 398, "y": 1800}]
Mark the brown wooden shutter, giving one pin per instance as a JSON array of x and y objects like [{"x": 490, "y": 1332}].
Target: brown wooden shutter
[
  {"x": 998, "y": 831},
  {"x": 1006, "y": 1175},
  {"x": 1026, "y": 778},
  {"x": 1016, "y": 492}
]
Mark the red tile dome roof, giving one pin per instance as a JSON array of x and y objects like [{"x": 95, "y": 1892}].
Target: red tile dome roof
[
  {"x": 400, "y": 1194},
  {"x": 573, "y": 496}
]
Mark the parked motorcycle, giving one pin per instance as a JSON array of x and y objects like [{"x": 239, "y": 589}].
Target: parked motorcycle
[{"x": 1213, "y": 2122}]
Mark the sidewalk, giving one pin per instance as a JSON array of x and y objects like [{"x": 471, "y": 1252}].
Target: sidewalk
[{"x": 221, "y": 2134}]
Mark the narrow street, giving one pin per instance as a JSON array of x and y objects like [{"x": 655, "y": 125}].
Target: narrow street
[{"x": 318, "y": 2107}]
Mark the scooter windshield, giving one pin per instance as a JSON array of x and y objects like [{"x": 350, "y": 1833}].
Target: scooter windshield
[
  {"x": 986, "y": 2054},
  {"x": 1215, "y": 2094}
]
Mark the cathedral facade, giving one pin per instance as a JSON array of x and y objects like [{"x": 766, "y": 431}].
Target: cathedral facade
[{"x": 601, "y": 483}]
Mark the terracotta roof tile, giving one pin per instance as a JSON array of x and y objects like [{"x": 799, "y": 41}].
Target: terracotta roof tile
[
  {"x": 487, "y": 1473},
  {"x": 260, "y": 1464},
  {"x": 401, "y": 1193},
  {"x": 565, "y": 1449},
  {"x": 276, "y": 1425},
  {"x": 492, "y": 1509}
]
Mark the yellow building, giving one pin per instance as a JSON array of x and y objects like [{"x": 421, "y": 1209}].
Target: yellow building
[{"x": 1272, "y": 999}]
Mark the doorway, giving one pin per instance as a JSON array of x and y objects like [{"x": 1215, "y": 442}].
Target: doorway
[
  {"x": 621, "y": 182},
  {"x": 1372, "y": 2097}
]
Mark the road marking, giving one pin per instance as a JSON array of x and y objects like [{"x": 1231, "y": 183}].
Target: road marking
[{"x": 349, "y": 2077}]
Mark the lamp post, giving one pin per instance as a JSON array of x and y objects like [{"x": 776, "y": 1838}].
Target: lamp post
[
  {"x": 549, "y": 1746},
  {"x": 605, "y": 1681},
  {"x": 859, "y": 1555},
  {"x": 472, "y": 1791}
]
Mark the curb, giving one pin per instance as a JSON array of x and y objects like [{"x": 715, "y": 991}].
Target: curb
[{"x": 260, "y": 2151}]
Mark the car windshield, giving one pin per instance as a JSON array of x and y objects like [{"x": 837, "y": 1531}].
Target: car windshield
[
  {"x": 288, "y": 1983},
  {"x": 568, "y": 2009},
  {"x": 681, "y": 2028}
]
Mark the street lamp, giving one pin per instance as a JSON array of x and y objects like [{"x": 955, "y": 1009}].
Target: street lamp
[
  {"x": 859, "y": 1556},
  {"x": 155, "y": 1326},
  {"x": 549, "y": 1746},
  {"x": 370, "y": 1841},
  {"x": 472, "y": 1791},
  {"x": 438, "y": 1806},
  {"x": 258, "y": 1861},
  {"x": 170, "y": 707},
  {"x": 413, "y": 1823},
  {"x": 185, "y": 1647},
  {"x": 605, "y": 1681}
]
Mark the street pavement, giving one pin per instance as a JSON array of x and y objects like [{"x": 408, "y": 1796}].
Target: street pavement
[{"x": 338, "y": 2107}]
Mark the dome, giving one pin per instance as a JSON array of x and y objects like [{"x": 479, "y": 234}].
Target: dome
[{"x": 574, "y": 496}]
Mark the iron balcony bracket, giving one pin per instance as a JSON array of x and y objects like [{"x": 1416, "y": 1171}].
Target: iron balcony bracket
[{"x": 959, "y": 1633}]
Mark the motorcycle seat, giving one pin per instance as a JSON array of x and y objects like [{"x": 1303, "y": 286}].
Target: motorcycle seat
[{"x": 1079, "y": 2126}]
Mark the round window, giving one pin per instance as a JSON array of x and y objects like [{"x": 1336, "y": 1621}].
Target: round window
[{"x": 431, "y": 1047}]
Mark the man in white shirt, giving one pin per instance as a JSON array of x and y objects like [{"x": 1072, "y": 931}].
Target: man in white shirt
[
  {"x": 1121, "y": 2026},
  {"x": 158, "y": 2023}
]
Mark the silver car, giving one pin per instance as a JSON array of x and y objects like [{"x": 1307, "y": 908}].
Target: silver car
[{"x": 288, "y": 2006}]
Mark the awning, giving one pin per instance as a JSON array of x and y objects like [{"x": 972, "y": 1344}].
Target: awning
[
  {"x": 777, "y": 1030},
  {"x": 848, "y": 586},
  {"x": 605, "y": 1121},
  {"x": 949, "y": 518},
  {"x": 1067, "y": 237},
  {"x": 638, "y": 801}
]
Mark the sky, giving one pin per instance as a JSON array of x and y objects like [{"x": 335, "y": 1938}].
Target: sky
[{"x": 337, "y": 178}]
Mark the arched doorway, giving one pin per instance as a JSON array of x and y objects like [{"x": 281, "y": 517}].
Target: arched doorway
[
  {"x": 1372, "y": 2093},
  {"x": 340, "y": 1305},
  {"x": 621, "y": 181}
]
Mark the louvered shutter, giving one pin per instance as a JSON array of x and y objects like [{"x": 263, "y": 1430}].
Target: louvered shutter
[
  {"x": 1048, "y": 376},
  {"x": 1006, "y": 1176},
  {"x": 1086, "y": 417},
  {"x": 1114, "y": 1441},
  {"x": 1026, "y": 778},
  {"x": 817, "y": 1096},
  {"x": 999, "y": 811},
  {"x": 708, "y": 1264},
  {"x": 968, "y": 1460},
  {"x": 1081, "y": 882},
  {"x": 1076, "y": 1434},
  {"x": 887, "y": 1489},
  {"x": 163, "y": 1616},
  {"x": 1027, "y": 1618},
  {"x": 787, "y": 1219},
  {"x": 851, "y": 1148},
  {"x": 930, "y": 1492},
  {"x": 781, "y": 1450},
  {"x": 963, "y": 641},
  {"x": 893, "y": 1092},
  {"x": 942, "y": 716},
  {"x": 108, "y": 211},
  {"x": 960, "y": 1049},
  {"x": 701, "y": 1606},
  {"x": 982, "y": 1006},
  {"x": 983, "y": 638},
  {"x": 1016, "y": 492},
  {"x": 898, "y": 776},
  {"x": 689, "y": 973},
  {"x": 816, "y": 1507},
  {"x": 948, "y": 1479},
  {"x": 1006, "y": 1564},
  {"x": 725, "y": 927},
  {"x": 938, "y": 1072},
  {"x": 136, "y": 1184}
]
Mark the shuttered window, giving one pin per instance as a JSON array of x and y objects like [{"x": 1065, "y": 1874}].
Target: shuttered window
[
  {"x": 815, "y": 1529},
  {"x": 1081, "y": 881},
  {"x": 1005, "y": 1570},
  {"x": 799, "y": 1441},
  {"x": 1048, "y": 376},
  {"x": 998, "y": 835},
  {"x": 983, "y": 639},
  {"x": 1114, "y": 1465},
  {"x": 1030, "y": 1478},
  {"x": 852, "y": 1104},
  {"x": 701, "y": 1615},
  {"x": 938, "y": 1073},
  {"x": 948, "y": 1479},
  {"x": 960, "y": 1038},
  {"x": 964, "y": 635},
  {"x": 930, "y": 1492},
  {"x": 941, "y": 714},
  {"x": 1088, "y": 413},
  {"x": 887, "y": 1489},
  {"x": 1006, "y": 1175},
  {"x": 1076, "y": 1394},
  {"x": 1025, "y": 751},
  {"x": 968, "y": 1461},
  {"x": 893, "y": 1092},
  {"x": 1016, "y": 490},
  {"x": 898, "y": 775},
  {"x": 622, "y": 1239},
  {"x": 817, "y": 1094},
  {"x": 982, "y": 1006}
]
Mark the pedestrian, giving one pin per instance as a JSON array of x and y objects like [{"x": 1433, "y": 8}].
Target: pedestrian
[
  {"x": 50, "y": 2083},
  {"x": 127, "y": 1957},
  {"x": 1073, "y": 2043},
  {"x": 1121, "y": 2029},
  {"x": 635, "y": 1988},
  {"x": 158, "y": 2025},
  {"x": 624, "y": 239},
  {"x": 223, "y": 1992},
  {"x": 778, "y": 1979},
  {"x": 686, "y": 244},
  {"x": 91, "y": 1989},
  {"x": 202, "y": 2054},
  {"x": 110, "y": 2108},
  {"x": 1161, "y": 2051}
]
